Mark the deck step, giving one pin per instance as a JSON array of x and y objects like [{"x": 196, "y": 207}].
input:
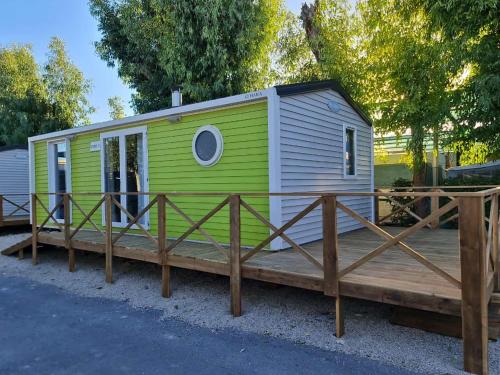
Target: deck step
[
  {"x": 446, "y": 325},
  {"x": 14, "y": 248}
]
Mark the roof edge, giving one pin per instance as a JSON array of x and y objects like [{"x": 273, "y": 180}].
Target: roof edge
[
  {"x": 13, "y": 147},
  {"x": 299, "y": 88}
]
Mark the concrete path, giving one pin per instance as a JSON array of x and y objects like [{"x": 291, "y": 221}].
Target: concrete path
[{"x": 44, "y": 330}]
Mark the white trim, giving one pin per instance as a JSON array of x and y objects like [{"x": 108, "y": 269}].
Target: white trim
[
  {"x": 123, "y": 181},
  {"x": 31, "y": 168},
  {"x": 355, "y": 141},
  {"x": 157, "y": 115},
  {"x": 274, "y": 159},
  {"x": 219, "y": 145},
  {"x": 372, "y": 171},
  {"x": 51, "y": 172}
]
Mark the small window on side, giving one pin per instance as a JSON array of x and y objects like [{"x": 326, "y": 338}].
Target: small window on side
[{"x": 350, "y": 152}]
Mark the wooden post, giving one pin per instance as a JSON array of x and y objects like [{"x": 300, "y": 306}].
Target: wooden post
[
  {"x": 330, "y": 259},
  {"x": 67, "y": 233},
  {"x": 494, "y": 241},
  {"x": 1, "y": 210},
  {"x": 376, "y": 206},
  {"x": 474, "y": 284},
  {"x": 34, "y": 228},
  {"x": 109, "y": 238},
  {"x": 162, "y": 247},
  {"x": 434, "y": 207},
  {"x": 234, "y": 255}
]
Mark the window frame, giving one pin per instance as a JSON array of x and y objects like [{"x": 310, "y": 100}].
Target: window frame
[
  {"x": 355, "y": 151},
  {"x": 51, "y": 171},
  {"x": 219, "y": 139},
  {"x": 121, "y": 134}
]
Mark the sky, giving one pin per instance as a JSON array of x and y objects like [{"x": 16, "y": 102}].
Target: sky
[{"x": 34, "y": 22}]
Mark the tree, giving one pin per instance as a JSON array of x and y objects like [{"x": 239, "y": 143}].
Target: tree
[
  {"x": 408, "y": 75},
  {"x": 389, "y": 62},
  {"x": 213, "y": 48},
  {"x": 333, "y": 34},
  {"x": 293, "y": 58},
  {"x": 116, "y": 110},
  {"x": 36, "y": 100},
  {"x": 472, "y": 29},
  {"x": 67, "y": 90},
  {"x": 22, "y": 95}
]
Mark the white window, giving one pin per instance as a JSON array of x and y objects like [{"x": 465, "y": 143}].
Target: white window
[
  {"x": 350, "y": 152},
  {"x": 124, "y": 169},
  {"x": 59, "y": 174},
  {"x": 207, "y": 145}
]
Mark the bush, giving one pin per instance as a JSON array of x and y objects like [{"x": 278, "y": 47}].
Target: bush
[{"x": 402, "y": 218}]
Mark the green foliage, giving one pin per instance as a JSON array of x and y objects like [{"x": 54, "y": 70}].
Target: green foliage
[
  {"x": 36, "y": 100},
  {"x": 213, "y": 48},
  {"x": 293, "y": 59},
  {"x": 22, "y": 93},
  {"x": 470, "y": 153},
  {"x": 67, "y": 90},
  {"x": 116, "y": 109},
  {"x": 471, "y": 29}
]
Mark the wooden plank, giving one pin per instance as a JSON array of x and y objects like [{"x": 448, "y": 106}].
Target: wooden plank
[
  {"x": 134, "y": 221},
  {"x": 390, "y": 239},
  {"x": 34, "y": 231},
  {"x": 199, "y": 229},
  {"x": 67, "y": 233},
  {"x": 18, "y": 246},
  {"x": 434, "y": 207},
  {"x": 109, "y": 238},
  {"x": 1, "y": 209},
  {"x": 474, "y": 285},
  {"x": 162, "y": 247},
  {"x": 281, "y": 230},
  {"x": 292, "y": 243},
  {"x": 443, "y": 324},
  {"x": 235, "y": 254},
  {"x": 87, "y": 217},
  {"x": 198, "y": 224},
  {"x": 339, "y": 317},
  {"x": 330, "y": 247}
]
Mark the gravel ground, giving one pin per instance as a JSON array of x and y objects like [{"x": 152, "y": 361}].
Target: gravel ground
[{"x": 293, "y": 314}]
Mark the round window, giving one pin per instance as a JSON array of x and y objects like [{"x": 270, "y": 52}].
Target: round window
[{"x": 207, "y": 145}]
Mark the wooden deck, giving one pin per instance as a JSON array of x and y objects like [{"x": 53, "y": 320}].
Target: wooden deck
[
  {"x": 424, "y": 266},
  {"x": 12, "y": 221},
  {"x": 393, "y": 277}
]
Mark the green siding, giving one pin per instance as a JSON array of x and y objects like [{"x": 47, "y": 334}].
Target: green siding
[
  {"x": 41, "y": 180},
  {"x": 242, "y": 168}
]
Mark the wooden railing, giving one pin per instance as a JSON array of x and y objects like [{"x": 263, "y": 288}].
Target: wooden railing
[
  {"x": 17, "y": 208},
  {"x": 476, "y": 212}
]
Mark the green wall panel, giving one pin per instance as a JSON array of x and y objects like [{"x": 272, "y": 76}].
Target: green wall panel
[{"x": 172, "y": 167}]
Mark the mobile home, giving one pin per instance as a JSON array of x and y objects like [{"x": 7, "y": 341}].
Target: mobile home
[
  {"x": 290, "y": 138},
  {"x": 14, "y": 185}
]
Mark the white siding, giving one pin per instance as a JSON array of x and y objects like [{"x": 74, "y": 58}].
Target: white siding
[
  {"x": 311, "y": 143},
  {"x": 14, "y": 178}
]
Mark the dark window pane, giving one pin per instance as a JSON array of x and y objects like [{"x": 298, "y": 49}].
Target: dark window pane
[
  {"x": 112, "y": 171},
  {"x": 349, "y": 153},
  {"x": 135, "y": 174},
  {"x": 60, "y": 176},
  {"x": 205, "y": 145}
]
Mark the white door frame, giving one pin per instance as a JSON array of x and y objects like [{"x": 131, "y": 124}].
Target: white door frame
[
  {"x": 123, "y": 169},
  {"x": 52, "y": 172}
]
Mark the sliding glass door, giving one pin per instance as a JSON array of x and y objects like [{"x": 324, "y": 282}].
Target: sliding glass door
[{"x": 124, "y": 170}]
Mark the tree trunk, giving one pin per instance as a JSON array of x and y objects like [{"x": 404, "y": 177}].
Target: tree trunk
[
  {"x": 417, "y": 148},
  {"x": 308, "y": 15}
]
